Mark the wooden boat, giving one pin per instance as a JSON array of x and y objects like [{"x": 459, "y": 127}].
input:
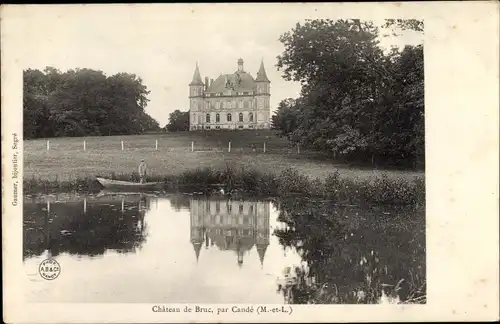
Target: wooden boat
[
  {"x": 128, "y": 185},
  {"x": 125, "y": 193}
]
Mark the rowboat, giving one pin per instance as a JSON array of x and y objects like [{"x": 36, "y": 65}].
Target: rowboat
[
  {"x": 117, "y": 184},
  {"x": 110, "y": 193}
]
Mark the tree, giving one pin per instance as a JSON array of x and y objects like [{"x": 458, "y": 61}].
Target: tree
[
  {"x": 285, "y": 120},
  {"x": 178, "y": 121},
  {"x": 356, "y": 100},
  {"x": 84, "y": 102}
]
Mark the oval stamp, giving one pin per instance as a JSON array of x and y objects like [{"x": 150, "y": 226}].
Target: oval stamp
[{"x": 49, "y": 269}]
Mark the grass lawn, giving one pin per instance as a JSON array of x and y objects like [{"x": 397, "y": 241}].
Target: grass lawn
[{"x": 67, "y": 160}]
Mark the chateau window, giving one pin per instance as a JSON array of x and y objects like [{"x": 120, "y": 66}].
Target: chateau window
[
  {"x": 229, "y": 104},
  {"x": 217, "y": 118},
  {"x": 208, "y": 206},
  {"x": 251, "y": 209},
  {"x": 217, "y": 207},
  {"x": 240, "y": 117},
  {"x": 229, "y": 208},
  {"x": 241, "y": 209},
  {"x": 228, "y": 117},
  {"x": 245, "y": 104},
  {"x": 217, "y": 127},
  {"x": 250, "y": 117},
  {"x": 240, "y": 104},
  {"x": 222, "y": 104},
  {"x": 208, "y": 118}
]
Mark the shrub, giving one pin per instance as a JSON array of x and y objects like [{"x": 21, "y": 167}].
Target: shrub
[{"x": 291, "y": 181}]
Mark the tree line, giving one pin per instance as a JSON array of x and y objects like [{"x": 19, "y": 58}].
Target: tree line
[
  {"x": 84, "y": 102},
  {"x": 358, "y": 102}
]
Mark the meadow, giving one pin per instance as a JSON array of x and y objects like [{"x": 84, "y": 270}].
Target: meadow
[{"x": 67, "y": 160}]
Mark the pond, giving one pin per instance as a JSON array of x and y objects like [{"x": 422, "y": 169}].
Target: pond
[{"x": 189, "y": 248}]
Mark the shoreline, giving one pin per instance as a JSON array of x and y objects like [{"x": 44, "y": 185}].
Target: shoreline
[{"x": 379, "y": 189}]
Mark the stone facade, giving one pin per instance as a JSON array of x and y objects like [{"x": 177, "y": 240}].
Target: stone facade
[{"x": 232, "y": 101}]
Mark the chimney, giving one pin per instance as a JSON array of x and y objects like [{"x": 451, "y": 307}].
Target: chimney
[
  {"x": 211, "y": 81},
  {"x": 206, "y": 83}
]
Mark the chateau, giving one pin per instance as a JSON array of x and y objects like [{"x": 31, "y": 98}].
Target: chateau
[
  {"x": 232, "y": 101},
  {"x": 237, "y": 226}
]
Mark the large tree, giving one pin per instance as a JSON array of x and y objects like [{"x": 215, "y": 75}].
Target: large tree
[
  {"x": 356, "y": 100},
  {"x": 84, "y": 102}
]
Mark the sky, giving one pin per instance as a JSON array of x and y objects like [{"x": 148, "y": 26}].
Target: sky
[{"x": 163, "y": 43}]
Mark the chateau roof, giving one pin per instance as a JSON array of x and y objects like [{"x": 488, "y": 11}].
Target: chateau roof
[
  {"x": 261, "y": 75},
  {"x": 261, "y": 249},
  {"x": 197, "y": 248},
  {"x": 196, "y": 77},
  {"x": 238, "y": 81}
]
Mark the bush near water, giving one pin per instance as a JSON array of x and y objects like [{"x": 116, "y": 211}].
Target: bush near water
[{"x": 380, "y": 190}]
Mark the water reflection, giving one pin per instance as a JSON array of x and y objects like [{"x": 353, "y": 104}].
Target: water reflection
[
  {"x": 195, "y": 249},
  {"x": 235, "y": 226},
  {"x": 84, "y": 226},
  {"x": 351, "y": 255},
  {"x": 131, "y": 248}
]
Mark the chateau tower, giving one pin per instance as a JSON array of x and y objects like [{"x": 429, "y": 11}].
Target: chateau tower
[
  {"x": 263, "y": 232},
  {"x": 197, "y": 233},
  {"x": 262, "y": 96},
  {"x": 196, "y": 94}
]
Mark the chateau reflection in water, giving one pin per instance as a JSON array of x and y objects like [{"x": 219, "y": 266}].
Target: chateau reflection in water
[
  {"x": 235, "y": 226},
  {"x": 115, "y": 222}
]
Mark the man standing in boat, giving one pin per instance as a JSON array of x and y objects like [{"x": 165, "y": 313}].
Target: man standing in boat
[{"x": 142, "y": 171}]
